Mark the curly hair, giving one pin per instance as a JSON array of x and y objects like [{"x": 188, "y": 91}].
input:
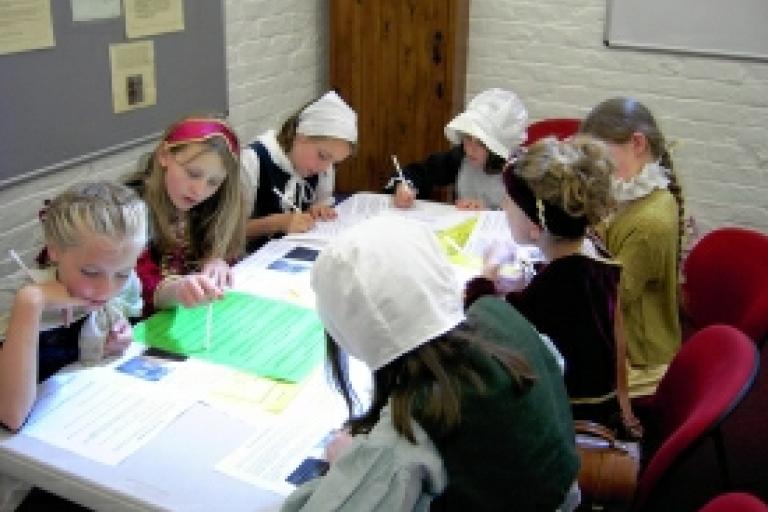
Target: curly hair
[{"x": 574, "y": 175}]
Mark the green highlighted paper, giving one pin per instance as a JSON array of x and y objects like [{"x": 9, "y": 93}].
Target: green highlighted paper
[{"x": 262, "y": 336}]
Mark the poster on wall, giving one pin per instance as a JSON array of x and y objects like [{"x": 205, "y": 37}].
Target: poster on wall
[
  {"x": 133, "y": 75},
  {"x": 25, "y": 25},
  {"x": 152, "y": 17},
  {"x": 90, "y": 10}
]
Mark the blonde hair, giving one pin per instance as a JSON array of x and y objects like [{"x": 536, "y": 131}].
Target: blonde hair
[
  {"x": 574, "y": 175},
  {"x": 616, "y": 119},
  {"x": 100, "y": 208},
  {"x": 217, "y": 225}
]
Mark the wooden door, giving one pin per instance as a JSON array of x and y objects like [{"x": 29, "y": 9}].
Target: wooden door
[{"x": 401, "y": 64}]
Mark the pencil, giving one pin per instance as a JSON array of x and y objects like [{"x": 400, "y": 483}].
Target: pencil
[
  {"x": 20, "y": 263},
  {"x": 399, "y": 170}
]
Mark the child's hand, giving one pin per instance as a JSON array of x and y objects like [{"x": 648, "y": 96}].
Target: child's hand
[
  {"x": 336, "y": 447},
  {"x": 632, "y": 425},
  {"x": 119, "y": 338},
  {"x": 404, "y": 195},
  {"x": 196, "y": 289},
  {"x": 322, "y": 212},
  {"x": 495, "y": 255},
  {"x": 470, "y": 204},
  {"x": 494, "y": 258},
  {"x": 298, "y": 222},
  {"x": 219, "y": 271},
  {"x": 53, "y": 296}
]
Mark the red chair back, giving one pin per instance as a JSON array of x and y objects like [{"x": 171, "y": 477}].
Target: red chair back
[
  {"x": 726, "y": 281},
  {"x": 560, "y": 127},
  {"x": 735, "y": 502},
  {"x": 707, "y": 378}
]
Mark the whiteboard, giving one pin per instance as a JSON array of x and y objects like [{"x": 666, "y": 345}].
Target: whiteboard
[{"x": 730, "y": 28}]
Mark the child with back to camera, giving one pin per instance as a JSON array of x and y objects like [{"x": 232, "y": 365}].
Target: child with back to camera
[
  {"x": 75, "y": 307},
  {"x": 644, "y": 236},
  {"x": 292, "y": 171},
  {"x": 554, "y": 192},
  {"x": 468, "y": 412},
  {"x": 484, "y": 136},
  {"x": 196, "y": 199}
]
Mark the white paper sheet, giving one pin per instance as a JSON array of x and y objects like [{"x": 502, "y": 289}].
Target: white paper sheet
[
  {"x": 101, "y": 414},
  {"x": 299, "y": 432}
]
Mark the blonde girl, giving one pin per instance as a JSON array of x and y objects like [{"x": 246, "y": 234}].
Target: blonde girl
[
  {"x": 75, "y": 307},
  {"x": 554, "y": 192},
  {"x": 193, "y": 189}
]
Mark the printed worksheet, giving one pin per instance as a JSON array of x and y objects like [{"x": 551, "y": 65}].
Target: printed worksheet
[
  {"x": 256, "y": 461},
  {"x": 101, "y": 414}
]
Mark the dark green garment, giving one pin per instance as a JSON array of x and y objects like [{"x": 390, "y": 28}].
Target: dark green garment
[{"x": 510, "y": 452}]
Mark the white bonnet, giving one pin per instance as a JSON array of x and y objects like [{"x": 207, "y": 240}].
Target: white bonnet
[
  {"x": 496, "y": 117},
  {"x": 384, "y": 287},
  {"x": 329, "y": 116}
]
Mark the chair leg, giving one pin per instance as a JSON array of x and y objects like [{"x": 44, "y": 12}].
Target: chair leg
[{"x": 722, "y": 461}]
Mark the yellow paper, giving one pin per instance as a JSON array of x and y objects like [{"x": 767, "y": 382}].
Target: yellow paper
[
  {"x": 240, "y": 390},
  {"x": 151, "y": 17},
  {"x": 133, "y": 75},
  {"x": 25, "y": 25}
]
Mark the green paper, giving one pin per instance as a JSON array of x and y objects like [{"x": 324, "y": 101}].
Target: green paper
[{"x": 262, "y": 336}]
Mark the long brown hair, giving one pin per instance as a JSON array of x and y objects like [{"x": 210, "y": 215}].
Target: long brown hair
[
  {"x": 431, "y": 375},
  {"x": 217, "y": 225}
]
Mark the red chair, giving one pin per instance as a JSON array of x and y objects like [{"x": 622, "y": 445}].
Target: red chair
[
  {"x": 706, "y": 379},
  {"x": 561, "y": 127},
  {"x": 726, "y": 281},
  {"x": 735, "y": 502}
]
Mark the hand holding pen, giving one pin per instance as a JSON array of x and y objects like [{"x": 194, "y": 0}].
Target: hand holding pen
[
  {"x": 296, "y": 221},
  {"x": 404, "y": 193}
]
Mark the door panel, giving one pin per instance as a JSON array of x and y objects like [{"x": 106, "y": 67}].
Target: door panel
[{"x": 396, "y": 63}]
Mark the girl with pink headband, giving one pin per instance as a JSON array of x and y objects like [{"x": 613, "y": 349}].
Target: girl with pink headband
[{"x": 193, "y": 191}]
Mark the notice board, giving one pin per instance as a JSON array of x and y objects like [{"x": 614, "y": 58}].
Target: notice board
[{"x": 56, "y": 106}]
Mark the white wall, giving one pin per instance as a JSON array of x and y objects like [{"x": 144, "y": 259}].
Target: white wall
[{"x": 550, "y": 53}]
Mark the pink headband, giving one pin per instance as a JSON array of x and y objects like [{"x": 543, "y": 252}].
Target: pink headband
[{"x": 198, "y": 130}]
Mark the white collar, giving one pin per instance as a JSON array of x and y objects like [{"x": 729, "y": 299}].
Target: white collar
[
  {"x": 297, "y": 189},
  {"x": 276, "y": 153},
  {"x": 652, "y": 177}
]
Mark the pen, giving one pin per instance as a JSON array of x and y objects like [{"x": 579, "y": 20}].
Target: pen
[
  {"x": 20, "y": 263},
  {"x": 208, "y": 326},
  {"x": 399, "y": 170},
  {"x": 286, "y": 200}
]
